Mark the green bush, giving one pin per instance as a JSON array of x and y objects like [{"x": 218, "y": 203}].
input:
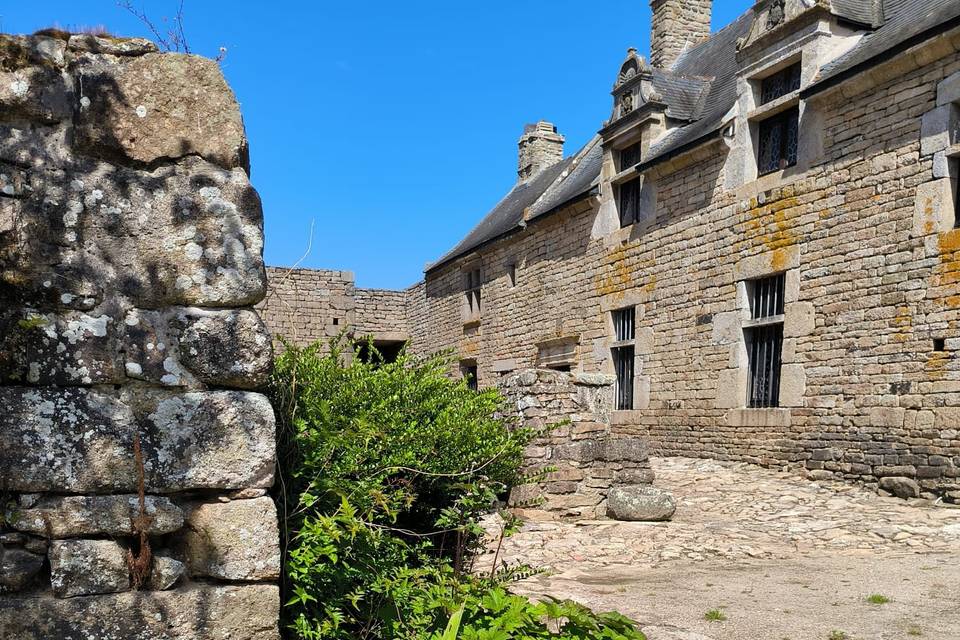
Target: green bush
[{"x": 385, "y": 472}]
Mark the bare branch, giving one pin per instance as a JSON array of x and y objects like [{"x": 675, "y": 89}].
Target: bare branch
[{"x": 173, "y": 38}]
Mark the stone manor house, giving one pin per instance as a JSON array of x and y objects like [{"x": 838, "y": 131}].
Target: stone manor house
[{"x": 759, "y": 248}]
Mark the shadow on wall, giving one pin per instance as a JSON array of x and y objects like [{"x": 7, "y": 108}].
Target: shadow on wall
[{"x": 130, "y": 248}]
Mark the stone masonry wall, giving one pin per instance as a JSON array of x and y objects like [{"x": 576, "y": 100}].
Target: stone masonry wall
[
  {"x": 307, "y": 305},
  {"x": 677, "y": 25},
  {"x": 381, "y": 312},
  {"x": 573, "y": 413},
  {"x": 868, "y": 395},
  {"x": 130, "y": 355}
]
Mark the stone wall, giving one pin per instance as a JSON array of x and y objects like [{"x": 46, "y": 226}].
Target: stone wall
[
  {"x": 871, "y": 334},
  {"x": 134, "y": 445},
  {"x": 572, "y": 411},
  {"x": 382, "y": 313},
  {"x": 308, "y": 305}
]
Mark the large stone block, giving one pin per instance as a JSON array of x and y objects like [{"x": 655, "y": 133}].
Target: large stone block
[
  {"x": 933, "y": 210},
  {"x": 189, "y": 234},
  {"x": 625, "y": 450},
  {"x": 248, "y": 612},
  {"x": 236, "y": 540},
  {"x": 227, "y": 348},
  {"x": 71, "y": 348},
  {"x": 75, "y": 516},
  {"x": 88, "y": 567},
  {"x": 640, "y": 503},
  {"x": 938, "y": 129},
  {"x": 161, "y": 107},
  {"x": 81, "y": 440},
  {"x": 42, "y": 94},
  {"x": 18, "y": 568}
]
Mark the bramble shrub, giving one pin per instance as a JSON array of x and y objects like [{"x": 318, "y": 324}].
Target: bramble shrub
[{"x": 386, "y": 469}]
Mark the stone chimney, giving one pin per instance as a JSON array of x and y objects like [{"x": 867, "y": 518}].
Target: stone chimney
[
  {"x": 540, "y": 147},
  {"x": 677, "y": 25}
]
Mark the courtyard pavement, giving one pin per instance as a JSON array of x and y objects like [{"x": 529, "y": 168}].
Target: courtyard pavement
[{"x": 779, "y": 556}]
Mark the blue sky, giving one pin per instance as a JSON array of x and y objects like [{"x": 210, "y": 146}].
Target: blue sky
[{"x": 391, "y": 125}]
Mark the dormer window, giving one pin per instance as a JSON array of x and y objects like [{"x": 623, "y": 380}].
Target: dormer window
[
  {"x": 780, "y": 84},
  {"x": 779, "y": 133},
  {"x": 779, "y": 141},
  {"x": 629, "y": 202},
  {"x": 631, "y": 156}
]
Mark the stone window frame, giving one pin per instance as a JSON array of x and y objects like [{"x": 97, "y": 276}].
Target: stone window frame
[
  {"x": 643, "y": 348},
  {"x": 512, "y": 268},
  {"x": 799, "y": 320},
  {"x": 937, "y": 208},
  {"x": 778, "y": 108},
  {"x": 627, "y": 175},
  {"x": 470, "y": 371},
  {"x": 471, "y": 310}
]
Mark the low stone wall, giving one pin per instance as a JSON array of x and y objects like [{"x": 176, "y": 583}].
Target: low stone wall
[
  {"x": 573, "y": 412},
  {"x": 135, "y": 451}
]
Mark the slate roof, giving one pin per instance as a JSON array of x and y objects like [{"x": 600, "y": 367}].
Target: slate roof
[
  {"x": 508, "y": 213},
  {"x": 866, "y": 12},
  {"x": 701, "y": 88},
  {"x": 903, "y": 20}
]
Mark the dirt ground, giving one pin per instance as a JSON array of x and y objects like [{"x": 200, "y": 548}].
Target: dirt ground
[{"x": 780, "y": 557}]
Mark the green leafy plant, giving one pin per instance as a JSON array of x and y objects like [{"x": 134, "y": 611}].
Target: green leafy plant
[
  {"x": 878, "y": 598},
  {"x": 386, "y": 471},
  {"x": 715, "y": 615},
  {"x": 838, "y": 635}
]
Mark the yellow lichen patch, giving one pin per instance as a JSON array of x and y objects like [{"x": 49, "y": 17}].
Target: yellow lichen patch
[
  {"x": 949, "y": 243},
  {"x": 615, "y": 274},
  {"x": 903, "y": 318},
  {"x": 937, "y": 366},
  {"x": 771, "y": 225},
  {"x": 470, "y": 348},
  {"x": 778, "y": 260}
]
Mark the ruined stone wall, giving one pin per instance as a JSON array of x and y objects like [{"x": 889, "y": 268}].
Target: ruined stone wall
[
  {"x": 866, "y": 395},
  {"x": 381, "y": 312},
  {"x": 304, "y": 306},
  {"x": 585, "y": 459},
  {"x": 416, "y": 313},
  {"x": 130, "y": 355}
]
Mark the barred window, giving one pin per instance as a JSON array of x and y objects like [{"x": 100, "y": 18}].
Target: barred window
[
  {"x": 628, "y": 202},
  {"x": 764, "y": 339},
  {"x": 624, "y": 329},
  {"x": 472, "y": 291},
  {"x": 779, "y": 138},
  {"x": 780, "y": 84}
]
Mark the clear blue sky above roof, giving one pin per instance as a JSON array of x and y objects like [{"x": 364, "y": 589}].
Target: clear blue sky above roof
[{"x": 392, "y": 127}]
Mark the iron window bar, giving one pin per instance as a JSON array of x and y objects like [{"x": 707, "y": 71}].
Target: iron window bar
[
  {"x": 623, "y": 363},
  {"x": 624, "y": 324},
  {"x": 764, "y": 338},
  {"x": 624, "y": 351}
]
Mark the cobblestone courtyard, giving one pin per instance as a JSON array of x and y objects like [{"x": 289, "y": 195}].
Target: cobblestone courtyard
[{"x": 782, "y": 557}]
